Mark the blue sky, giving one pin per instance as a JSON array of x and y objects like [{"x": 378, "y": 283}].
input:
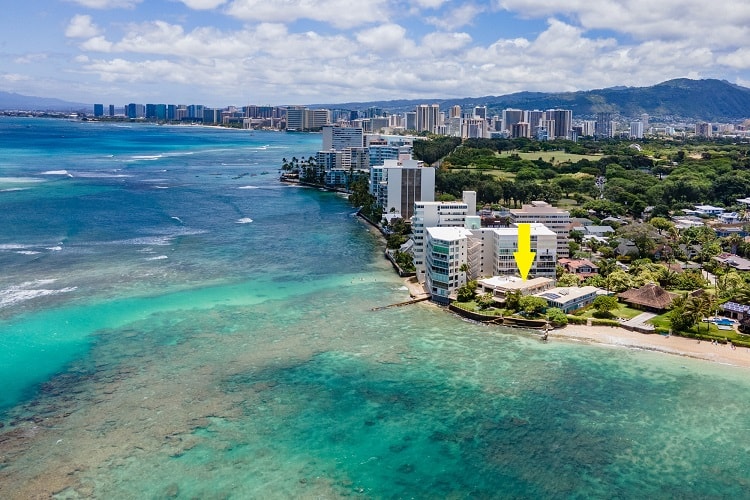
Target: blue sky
[{"x": 235, "y": 52}]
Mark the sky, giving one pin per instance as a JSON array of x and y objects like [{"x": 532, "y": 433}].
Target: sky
[{"x": 280, "y": 52}]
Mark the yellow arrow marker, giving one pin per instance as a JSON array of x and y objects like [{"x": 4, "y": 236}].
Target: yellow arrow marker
[{"x": 524, "y": 256}]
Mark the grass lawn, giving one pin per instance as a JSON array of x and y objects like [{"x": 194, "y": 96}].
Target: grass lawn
[
  {"x": 473, "y": 307},
  {"x": 495, "y": 173},
  {"x": 621, "y": 312},
  {"x": 661, "y": 322},
  {"x": 554, "y": 157}
]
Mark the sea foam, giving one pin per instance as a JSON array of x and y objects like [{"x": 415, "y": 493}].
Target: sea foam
[{"x": 30, "y": 290}]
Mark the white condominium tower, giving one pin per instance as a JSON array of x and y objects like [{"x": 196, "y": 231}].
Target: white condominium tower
[{"x": 554, "y": 218}]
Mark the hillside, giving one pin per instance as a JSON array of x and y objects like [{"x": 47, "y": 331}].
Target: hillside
[
  {"x": 17, "y": 102},
  {"x": 712, "y": 100}
]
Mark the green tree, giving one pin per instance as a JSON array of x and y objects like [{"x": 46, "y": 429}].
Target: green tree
[
  {"x": 605, "y": 303},
  {"x": 661, "y": 224},
  {"x": 619, "y": 281},
  {"x": 568, "y": 279},
  {"x": 467, "y": 292},
  {"x": 513, "y": 300},
  {"x": 485, "y": 301},
  {"x": 701, "y": 307},
  {"x": 556, "y": 316},
  {"x": 532, "y": 305}
]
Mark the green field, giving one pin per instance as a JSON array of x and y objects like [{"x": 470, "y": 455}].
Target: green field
[{"x": 553, "y": 157}]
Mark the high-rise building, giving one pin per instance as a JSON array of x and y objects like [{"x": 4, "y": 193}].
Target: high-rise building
[
  {"x": 588, "y": 128},
  {"x": 402, "y": 183},
  {"x": 636, "y": 130},
  {"x": 446, "y": 252},
  {"x": 98, "y": 110},
  {"x": 411, "y": 120},
  {"x": 439, "y": 214},
  {"x": 428, "y": 117},
  {"x": 703, "y": 129},
  {"x": 299, "y": 118},
  {"x": 486, "y": 252},
  {"x": 511, "y": 117},
  {"x": 340, "y": 138},
  {"x": 563, "y": 119},
  {"x": 455, "y": 111},
  {"x": 533, "y": 118},
  {"x": 554, "y": 218},
  {"x": 480, "y": 112},
  {"x": 548, "y": 126},
  {"x": 134, "y": 110},
  {"x": 111, "y": 110},
  {"x": 603, "y": 125},
  {"x": 520, "y": 129}
]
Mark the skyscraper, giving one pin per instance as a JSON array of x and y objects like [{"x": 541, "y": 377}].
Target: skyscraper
[
  {"x": 603, "y": 125},
  {"x": 563, "y": 122},
  {"x": 511, "y": 117},
  {"x": 428, "y": 116}
]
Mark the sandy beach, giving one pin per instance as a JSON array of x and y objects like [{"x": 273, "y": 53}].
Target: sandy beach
[{"x": 680, "y": 346}]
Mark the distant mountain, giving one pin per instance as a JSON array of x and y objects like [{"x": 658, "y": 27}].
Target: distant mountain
[
  {"x": 17, "y": 102},
  {"x": 712, "y": 100}
]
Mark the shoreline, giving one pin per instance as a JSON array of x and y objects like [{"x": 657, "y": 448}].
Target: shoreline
[
  {"x": 674, "y": 345},
  {"x": 621, "y": 337}
]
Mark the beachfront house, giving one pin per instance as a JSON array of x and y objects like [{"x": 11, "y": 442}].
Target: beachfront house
[
  {"x": 571, "y": 298},
  {"x": 500, "y": 286},
  {"x": 649, "y": 297}
]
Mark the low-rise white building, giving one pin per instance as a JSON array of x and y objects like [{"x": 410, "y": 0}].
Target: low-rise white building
[{"x": 571, "y": 298}]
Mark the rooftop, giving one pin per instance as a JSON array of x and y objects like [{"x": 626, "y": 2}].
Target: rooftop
[
  {"x": 537, "y": 229},
  {"x": 448, "y": 233},
  {"x": 514, "y": 282},
  {"x": 569, "y": 293}
]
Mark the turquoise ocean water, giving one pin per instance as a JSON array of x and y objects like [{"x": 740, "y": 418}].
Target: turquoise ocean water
[{"x": 176, "y": 323}]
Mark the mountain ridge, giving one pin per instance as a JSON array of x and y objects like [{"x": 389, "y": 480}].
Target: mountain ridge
[
  {"x": 680, "y": 98},
  {"x": 671, "y": 100}
]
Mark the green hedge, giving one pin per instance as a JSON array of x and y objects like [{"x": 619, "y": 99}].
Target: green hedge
[
  {"x": 605, "y": 322},
  {"x": 575, "y": 320}
]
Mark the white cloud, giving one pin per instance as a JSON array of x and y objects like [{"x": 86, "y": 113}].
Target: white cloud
[
  {"x": 385, "y": 38},
  {"x": 31, "y": 58},
  {"x": 203, "y": 4},
  {"x": 739, "y": 59},
  {"x": 441, "y": 43},
  {"x": 695, "y": 20},
  {"x": 108, "y": 4},
  {"x": 430, "y": 4},
  {"x": 382, "y": 61},
  {"x": 97, "y": 44},
  {"x": 458, "y": 17},
  {"x": 14, "y": 77},
  {"x": 339, "y": 13},
  {"x": 81, "y": 26}
]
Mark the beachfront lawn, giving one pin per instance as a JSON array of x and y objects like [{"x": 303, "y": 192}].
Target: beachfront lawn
[
  {"x": 698, "y": 331},
  {"x": 622, "y": 311},
  {"x": 473, "y": 306}
]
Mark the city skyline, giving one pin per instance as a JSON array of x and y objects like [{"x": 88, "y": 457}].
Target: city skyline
[{"x": 221, "y": 52}]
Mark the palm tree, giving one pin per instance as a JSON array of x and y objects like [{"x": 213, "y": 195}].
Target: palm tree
[
  {"x": 464, "y": 268},
  {"x": 701, "y": 307}
]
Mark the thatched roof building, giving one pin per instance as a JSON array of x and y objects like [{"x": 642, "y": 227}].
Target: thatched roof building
[{"x": 650, "y": 297}]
